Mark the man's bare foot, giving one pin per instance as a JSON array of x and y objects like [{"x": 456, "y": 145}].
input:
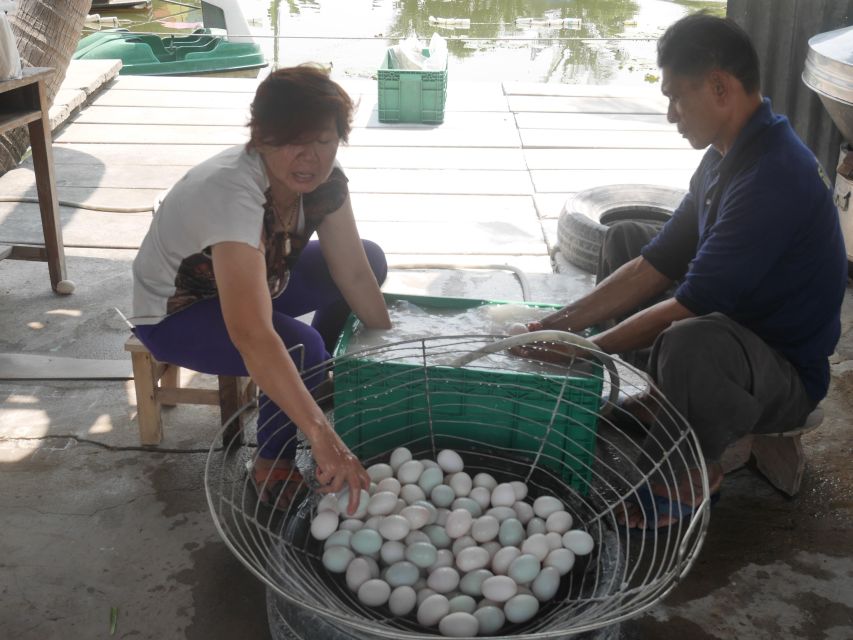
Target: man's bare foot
[{"x": 689, "y": 493}]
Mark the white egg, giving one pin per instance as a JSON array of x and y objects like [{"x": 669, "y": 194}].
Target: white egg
[
  {"x": 328, "y": 502},
  {"x": 401, "y": 573},
  {"x": 501, "y": 513},
  {"x": 458, "y": 523},
  {"x": 325, "y": 524},
  {"x": 340, "y": 538},
  {"x": 399, "y": 456},
  {"x": 503, "y": 558},
  {"x": 471, "y": 583},
  {"x": 381, "y": 503},
  {"x": 444, "y": 558},
  {"x": 412, "y": 493},
  {"x": 462, "y": 543},
  {"x": 511, "y": 533},
  {"x": 337, "y": 559},
  {"x": 374, "y": 593},
  {"x": 358, "y": 572},
  {"x": 535, "y": 525},
  {"x": 442, "y": 495},
  {"x": 545, "y": 585},
  {"x": 371, "y": 489},
  {"x": 392, "y": 551},
  {"x": 578, "y": 542},
  {"x": 459, "y": 625},
  {"x": 422, "y": 554},
  {"x": 450, "y": 461},
  {"x": 366, "y": 541},
  {"x": 429, "y": 506},
  {"x": 482, "y": 496},
  {"x": 402, "y": 600},
  {"x": 485, "y": 528},
  {"x": 374, "y": 567},
  {"x": 389, "y": 484},
  {"x": 523, "y": 511},
  {"x": 430, "y": 479},
  {"x": 463, "y": 603},
  {"x": 485, "y": 480},
  {"x": 559, "y": 522},
  {"x": 503, "y": 495},
  {"x": 554, "y": 539},
  {"x": 379, "y": 472},
  {"x": 544, "y": 506},
  {"x": 520, "y": 489},
  {"x": 521, "y": 608},
  {"x": 361, "y": 509},
  {"x": 471, "y": 559},
  {"x": 524, "y": 568},
  {"x": 490, "y": 618},
  {"x": 372, "y": 523},
  {"x": 352, "y": 524},
  {"x": 469, "y": 505},
  {"x": 461, "y": 483},
  {"x": 443, "y": 580},
  {"x": 499, "y": 588},
  {"x": 410, "y": 472},
  {"x": 438, "y": 536},
  {"x": 424, "y": 593},
  {"x": 432, "y": 610},
  {"x": 415, "y": 536},
  {"x": 417, "y": 515},
  {"x": 516, "y": 328},
  {"x": 394, "y": 527},
  {"x": 561, "y": 559},
  {"x": 485, "y": 602},
  {"x": 537, "y": 544},
  {"x": 401, "y": 504},
  {"x": 430, "y": 464}
]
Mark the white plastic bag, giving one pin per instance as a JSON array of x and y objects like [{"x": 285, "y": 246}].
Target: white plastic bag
[
  {"x": 408, "y": 55},
  {"x": 10, "y": 59},
  {"x": 437, "y": 60}
]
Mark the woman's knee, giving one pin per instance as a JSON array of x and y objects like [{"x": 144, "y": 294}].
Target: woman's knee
[{"x": 376, "y": 258}]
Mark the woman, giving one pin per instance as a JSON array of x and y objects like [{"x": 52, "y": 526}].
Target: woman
[{"x": 227, "y": 267}]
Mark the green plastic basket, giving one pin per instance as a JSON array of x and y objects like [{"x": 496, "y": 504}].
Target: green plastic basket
[
  {"x": 410, "y": 95},
  {"x": 382, "y": 404}
]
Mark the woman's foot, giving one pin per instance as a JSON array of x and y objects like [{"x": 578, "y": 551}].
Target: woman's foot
[
  {"x": 689, "y": 492},
  {"x": 277, "y": 482}
]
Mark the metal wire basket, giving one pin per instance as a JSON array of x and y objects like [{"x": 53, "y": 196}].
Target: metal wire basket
[{"x": 557, "y": 429}]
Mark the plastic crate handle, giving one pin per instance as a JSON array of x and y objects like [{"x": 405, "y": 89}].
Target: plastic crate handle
[{"x": 551, "y": 335}]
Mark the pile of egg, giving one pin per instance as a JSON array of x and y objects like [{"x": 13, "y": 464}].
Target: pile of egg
[{"x": 465, "y": 554}]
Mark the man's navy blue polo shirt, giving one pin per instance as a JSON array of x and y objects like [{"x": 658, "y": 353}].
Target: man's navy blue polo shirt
[{"x": 773, "y": 259}]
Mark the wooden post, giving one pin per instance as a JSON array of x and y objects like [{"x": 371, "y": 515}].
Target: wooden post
[{"x": 147, "y": 403}]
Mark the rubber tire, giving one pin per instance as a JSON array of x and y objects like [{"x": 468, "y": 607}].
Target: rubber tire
[{"x": 586, "y": 216}]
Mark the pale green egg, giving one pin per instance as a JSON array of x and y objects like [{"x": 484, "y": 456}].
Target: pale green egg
[
  {"x": 422, "y": 554},
  {"x": 337, "y": 559},
  {"x": 402, "y": 573},
  {"x": 463, "y": 603},
  {"x": 490, "y": 619},
  {"x": 511, "y": 532},
  {"x": 366, "y": 541},
  {"x": 430, "y": 479},
  {"x": 521, "y": 608},
  {"x": 471, "y": 583},
  {"x": 339, "y": 538},
  {"x": 442, "y": 495},
  {"x": 524, "y": 568}
]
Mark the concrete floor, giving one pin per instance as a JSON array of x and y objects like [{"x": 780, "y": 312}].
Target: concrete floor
[{"x": 90, "y": 521}]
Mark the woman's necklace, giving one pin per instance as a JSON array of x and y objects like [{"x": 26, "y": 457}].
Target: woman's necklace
[{"x": 286, "y": 224}]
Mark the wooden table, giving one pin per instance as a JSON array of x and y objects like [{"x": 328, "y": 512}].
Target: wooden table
[{"x": 24, "y": 102}]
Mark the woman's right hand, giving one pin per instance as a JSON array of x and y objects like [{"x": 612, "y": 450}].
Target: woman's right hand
[{"x": 337, "y": 467}]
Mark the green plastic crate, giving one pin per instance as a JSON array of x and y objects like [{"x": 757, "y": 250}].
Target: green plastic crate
[
  {"x": 410, "y": 95},
  {"x": 383, "y": 405}
]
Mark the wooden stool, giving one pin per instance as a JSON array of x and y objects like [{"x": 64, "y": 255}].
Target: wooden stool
[
  {"x": 158, "y": 385},
  {"x": 778, "y": 456}
]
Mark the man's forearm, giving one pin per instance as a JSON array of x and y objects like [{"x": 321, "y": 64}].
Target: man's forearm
[{"x": 641, "y": 329}]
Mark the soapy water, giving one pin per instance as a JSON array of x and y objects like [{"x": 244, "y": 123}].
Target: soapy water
[{"x": 412, "y": 322}]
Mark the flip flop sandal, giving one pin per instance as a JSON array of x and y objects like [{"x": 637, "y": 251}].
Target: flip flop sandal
[
  {"x": 654, "y": 506},
  {"x": 280, "y": 488}
]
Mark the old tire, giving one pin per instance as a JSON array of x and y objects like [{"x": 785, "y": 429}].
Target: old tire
[{"x": 586, "y": 216}]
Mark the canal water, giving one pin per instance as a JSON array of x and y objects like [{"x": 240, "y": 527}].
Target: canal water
[{"x": 562, "y": 41}]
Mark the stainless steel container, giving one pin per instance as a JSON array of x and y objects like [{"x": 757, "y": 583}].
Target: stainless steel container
[{"x": 829, "y": 73}]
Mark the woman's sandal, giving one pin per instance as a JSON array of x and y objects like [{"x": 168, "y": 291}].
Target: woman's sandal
[{"x": 278, "y": 488}]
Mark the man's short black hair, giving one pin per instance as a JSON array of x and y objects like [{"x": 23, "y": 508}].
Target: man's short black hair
[{"x": 701, "y": 42}]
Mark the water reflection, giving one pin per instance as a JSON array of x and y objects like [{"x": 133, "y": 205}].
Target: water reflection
[{"x": 353, "y": 34}]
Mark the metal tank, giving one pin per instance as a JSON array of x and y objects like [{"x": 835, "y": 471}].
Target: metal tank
[{"x": 829, "y": 73}]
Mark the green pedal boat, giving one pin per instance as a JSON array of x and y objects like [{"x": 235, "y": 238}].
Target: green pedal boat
[{"x": 211, "y": 50}]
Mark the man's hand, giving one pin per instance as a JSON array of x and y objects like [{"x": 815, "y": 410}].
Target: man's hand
[{"x": 549, "y": 351}]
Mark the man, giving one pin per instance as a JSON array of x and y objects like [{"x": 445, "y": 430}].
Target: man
[{"x": 754, "y": 250}]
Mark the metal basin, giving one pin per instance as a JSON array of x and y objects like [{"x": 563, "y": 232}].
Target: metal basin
[{"x": 829, "y": 73}]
